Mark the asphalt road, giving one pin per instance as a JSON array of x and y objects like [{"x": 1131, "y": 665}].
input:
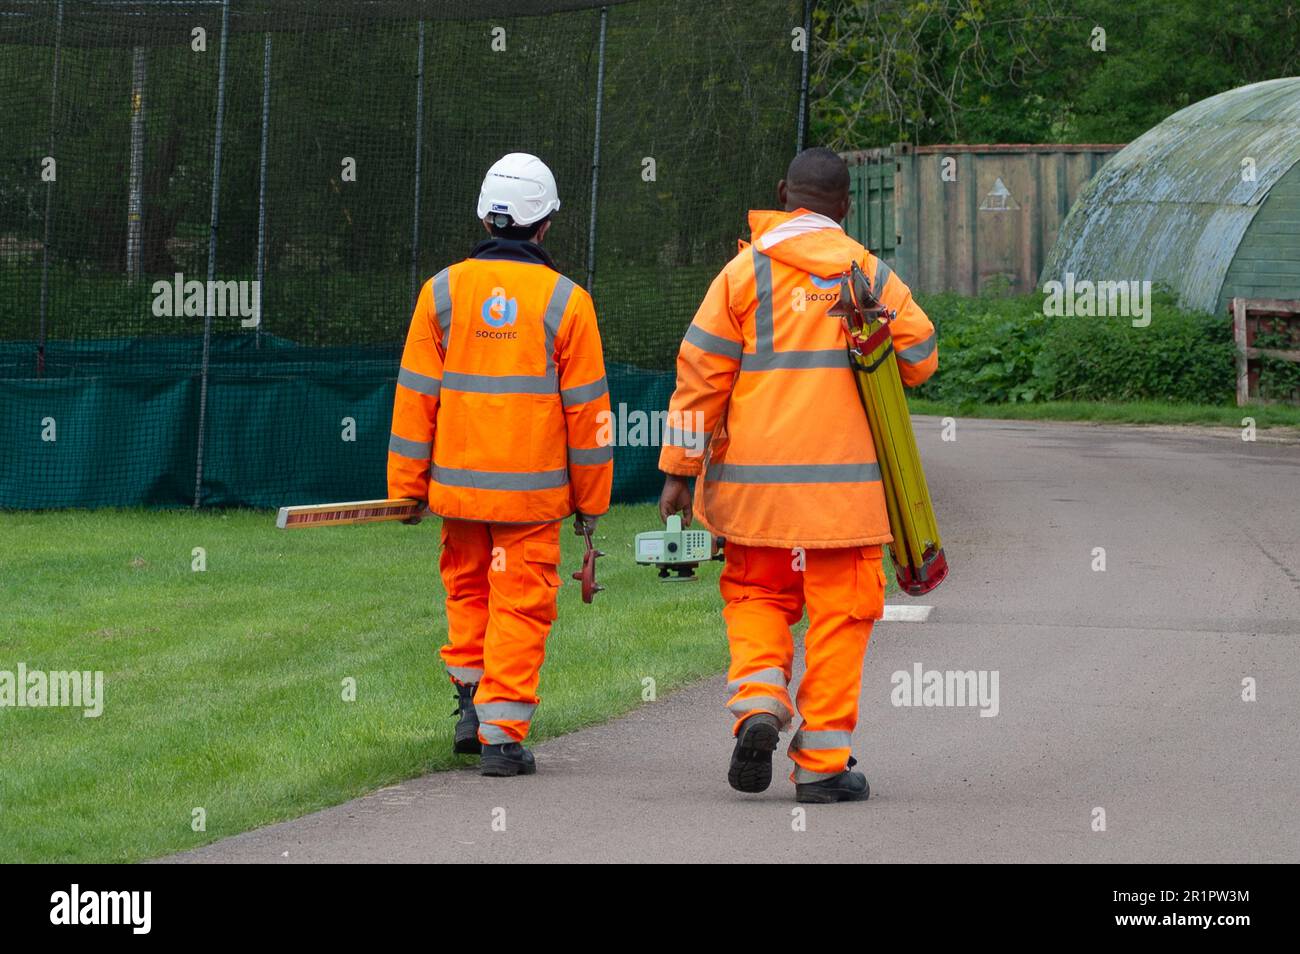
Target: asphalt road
[{"x": 1118, "y": 690}]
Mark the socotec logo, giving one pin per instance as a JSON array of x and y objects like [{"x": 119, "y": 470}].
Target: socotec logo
[
  {"x": 498, "y": 310},
  {"x": 800, "y": 296}
]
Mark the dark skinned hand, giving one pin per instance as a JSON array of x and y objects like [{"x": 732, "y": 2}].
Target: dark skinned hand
[{"x": 676, "y": 498}]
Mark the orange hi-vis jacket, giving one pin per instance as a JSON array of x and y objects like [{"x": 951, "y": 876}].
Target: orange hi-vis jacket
[
  {"x": 764, "y": 389},
  {"x": 501, "y": 393}
]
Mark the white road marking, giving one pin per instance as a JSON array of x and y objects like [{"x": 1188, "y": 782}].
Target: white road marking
[{"x": 907, "y": 613}]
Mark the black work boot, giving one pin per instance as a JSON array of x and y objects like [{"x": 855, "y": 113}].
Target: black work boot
[
  {"x": 751, "y": 760},
  {"x": 467, "y": 742},
  {"x": 848, "y": 786},
  {"x": 510, "y": 758}
]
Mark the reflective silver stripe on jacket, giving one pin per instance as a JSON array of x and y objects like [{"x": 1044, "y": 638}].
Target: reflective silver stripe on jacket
[
  {"x": 500, "y": 480},
  {"x": 918, "y": 352},
  {"x": 499, "y": 383},
  {"x": 763, "y": 331},
  {"x": 793, "y": 473},
  {"x": 416, "y": 450},
  {"x": 783, "y": 360},
  {"x": 713, "y": 344},
  {"x": 419, "y": 383},
  {"x": 691, "y": 440},
  {"x": 883, "y": 272},
  {"x": 442, "y": 304},
  {"x": 504, "y": 384},
  {"x": 765, "y": 357},
  {"x": 590, "y": 455},
  {"x": 554, "y": 314},
  {"x": 766, "y": 677},
  {"x": 584, "y": 392}
]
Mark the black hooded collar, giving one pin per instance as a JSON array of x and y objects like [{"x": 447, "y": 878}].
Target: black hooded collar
[{"x": 512, "y": 250}]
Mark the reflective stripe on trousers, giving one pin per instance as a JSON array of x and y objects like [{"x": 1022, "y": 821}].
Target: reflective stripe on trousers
[
  {"x": 769, "y": 704},
  {"x": 770, "y": 677},
  {"x": 490, "y": 734},
  {"x": 801, "y": 775},
  {"x": 763, "y": 690},
  {"x": 828, "y": 744},
  {"x": 505, "y": 711}
]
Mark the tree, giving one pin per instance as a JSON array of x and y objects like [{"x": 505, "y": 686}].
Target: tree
[{"x": 929, "y": 71}]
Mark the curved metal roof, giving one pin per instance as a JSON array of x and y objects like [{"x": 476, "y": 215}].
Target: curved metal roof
[{"x": 1173, "y": 205}]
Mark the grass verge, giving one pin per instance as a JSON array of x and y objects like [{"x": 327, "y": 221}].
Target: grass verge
[{"x": 224, "y": 688}]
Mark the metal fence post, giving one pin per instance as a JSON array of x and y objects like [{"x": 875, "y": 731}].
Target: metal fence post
[
  {"x": 261, "y": 185},
  {"x": 803, "y": 73},
  {"x": 419, "y": 146},
  {"x": 212, "y": 250},
  {"x": 135, "y": 186},
  {"x": 595, "y": 149},
  {"x": 49, "y": 197}
]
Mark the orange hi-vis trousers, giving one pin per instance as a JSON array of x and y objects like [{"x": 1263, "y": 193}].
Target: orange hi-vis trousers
[
  {"x": 502, "y": 581},
  {"x": 766, "y": 590}
]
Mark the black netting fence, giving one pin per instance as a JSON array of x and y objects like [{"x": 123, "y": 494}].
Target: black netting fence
[{"x": 214, "y": 216}]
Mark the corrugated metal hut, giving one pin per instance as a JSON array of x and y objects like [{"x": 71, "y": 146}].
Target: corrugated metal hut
[{"x": 1207, "y": 202}]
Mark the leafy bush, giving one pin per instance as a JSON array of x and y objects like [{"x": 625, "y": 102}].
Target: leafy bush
[
  {"x": 988, "y": 348},
  {"x": 1278, "y": 379},
  {"x": 1005, "y": 350}
]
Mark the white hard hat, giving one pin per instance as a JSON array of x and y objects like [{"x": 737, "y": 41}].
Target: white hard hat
[{"x": 520, "y": 186}]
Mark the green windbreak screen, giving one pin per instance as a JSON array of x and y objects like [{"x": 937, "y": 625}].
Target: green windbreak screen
[
  {"x": 346, "y": 142},
  {"x": 286, "y": 424}
]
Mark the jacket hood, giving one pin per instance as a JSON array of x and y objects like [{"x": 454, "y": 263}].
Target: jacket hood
[{"x": 805, "y": 240}]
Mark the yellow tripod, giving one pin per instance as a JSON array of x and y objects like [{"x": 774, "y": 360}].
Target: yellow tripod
[{"x": 917, "y": 550}]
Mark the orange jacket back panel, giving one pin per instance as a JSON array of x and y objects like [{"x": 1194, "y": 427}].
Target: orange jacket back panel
[
  {"x": 501, "y": 393},
  {"x": 764, "y": 390}
]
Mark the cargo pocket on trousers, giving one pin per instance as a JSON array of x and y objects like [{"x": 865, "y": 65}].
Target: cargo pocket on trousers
[
  {"x": 869, "y": 591},
  {"x": 543, "y": 561}
]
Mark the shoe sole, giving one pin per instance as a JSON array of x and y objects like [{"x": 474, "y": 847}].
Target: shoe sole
[
  {"x": 829, "y": 796},
  {"x": 751, "y": 762},
  {"x": 505, "y": 768}
]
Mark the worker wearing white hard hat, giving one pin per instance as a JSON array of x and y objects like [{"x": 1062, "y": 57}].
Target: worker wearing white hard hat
[
  {"x": 518, "y": 192},
  {"x": 497, "y": 424}
]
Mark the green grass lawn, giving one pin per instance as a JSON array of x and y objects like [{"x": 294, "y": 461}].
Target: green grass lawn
[
  {"x": 224, "y": 688},
  {"x": 1126, "y": 412}
]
